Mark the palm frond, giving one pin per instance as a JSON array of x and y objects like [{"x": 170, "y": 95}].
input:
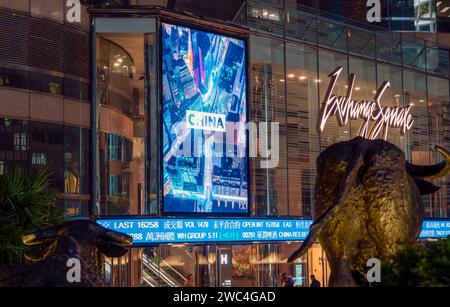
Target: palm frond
[{"x": 27, "y": 204}]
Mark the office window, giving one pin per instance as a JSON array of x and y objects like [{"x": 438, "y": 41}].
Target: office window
[
  {"x": 437, "y": 59},
  {"x": 413, "y": 50},
  {"x": 393, "y": 96},
  {"x": 125, "y": 64},
  {"x": 415, "y": 94},
  {"x": 76, "y": 161},
  {"x": 365, "y": 85},
  {"x": 268, "y": 86},
  {"x": 361, "y": 42},
  {"x": 389, "y": 47},
  {"x": 20, "y": 141},
  {"x": 39, "y": 158},
  {"x": 299, "y": 24},
  {"x": 332, "y": 35},
  {"x": 50, "y": 9},
  {"x": 14, "y": 78},
  {"x": 266, "y": 15},
  {"x": 419, "y": 147},
  {"x": 302, "y": 137},
  {"x": 46, "y": 84},
  {"x": 332, "y": 132},
  {"x": 439, "y": 127}
]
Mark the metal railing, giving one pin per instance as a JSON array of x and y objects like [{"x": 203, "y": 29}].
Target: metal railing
[{"x": 160, "y": 276}]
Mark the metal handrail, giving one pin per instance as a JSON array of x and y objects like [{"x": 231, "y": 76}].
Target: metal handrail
[
  {"x": 167, "y": 278},
  {"x": 165, "y": 264}
]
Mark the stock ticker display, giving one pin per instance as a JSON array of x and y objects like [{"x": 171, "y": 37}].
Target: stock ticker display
[
  {"x": 204, "y": 84},
  {"x": 184, "y": 230},
  {"x": 435, "y": 229}
]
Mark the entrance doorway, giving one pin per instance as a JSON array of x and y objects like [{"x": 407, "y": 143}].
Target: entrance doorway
[{"x": 251, "y": 265}]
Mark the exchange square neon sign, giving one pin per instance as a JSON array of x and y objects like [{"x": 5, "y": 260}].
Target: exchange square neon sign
[{"x": 346, "y": 109}]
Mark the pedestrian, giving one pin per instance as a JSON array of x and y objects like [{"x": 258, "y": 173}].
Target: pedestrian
[
  {"x": 289, "y": 282},
  {"x": 283, "y": 279},
  {"x": 314, "y": 282},
  {"x": 189, "y": 282}
]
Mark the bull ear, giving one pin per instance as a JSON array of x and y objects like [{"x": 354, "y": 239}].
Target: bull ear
[
  {"x": 111, "y": 249},
  {"x": 425, "y": 187}
]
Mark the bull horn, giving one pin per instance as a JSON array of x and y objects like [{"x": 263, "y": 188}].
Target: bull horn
[
  {"x": 42, "y": 236},
  {"x": 431, "y": 171},
  {"x": 111, "y": 235}
]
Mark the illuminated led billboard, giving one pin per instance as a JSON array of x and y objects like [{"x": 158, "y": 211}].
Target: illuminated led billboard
[
  {"x": 204, "y": 100},
  {"x": 183, "y": 230}
]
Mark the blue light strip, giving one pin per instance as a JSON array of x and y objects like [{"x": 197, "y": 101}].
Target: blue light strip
[{"x": 183, "y": 230}]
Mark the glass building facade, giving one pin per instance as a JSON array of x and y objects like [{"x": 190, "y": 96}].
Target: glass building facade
[
  {"x": 86, "y": 101},
  {"x": 44, "y": 96}
]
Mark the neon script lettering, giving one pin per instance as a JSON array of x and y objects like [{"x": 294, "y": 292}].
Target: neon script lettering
[{"x": 345, "y": 109}]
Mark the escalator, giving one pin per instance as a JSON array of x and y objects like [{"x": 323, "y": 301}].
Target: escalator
[{"x": 162, "y": 275}]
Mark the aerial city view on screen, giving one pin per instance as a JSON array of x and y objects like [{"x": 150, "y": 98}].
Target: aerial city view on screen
[{"x": 204, "y": 93}]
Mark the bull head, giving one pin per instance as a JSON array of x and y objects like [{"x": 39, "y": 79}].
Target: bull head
[
  {"x": 82, "y": 233},
  {"x": 367, "y": 201}
]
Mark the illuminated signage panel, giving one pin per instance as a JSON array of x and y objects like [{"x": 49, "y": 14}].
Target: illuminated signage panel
[
  {"x": 183, "y": 230},
  {"x": 160, "y": 231},
  {"x": 345, "y": 108},
  {"x": 204, "y": 84},
  {"x": 435, "y": 229}
]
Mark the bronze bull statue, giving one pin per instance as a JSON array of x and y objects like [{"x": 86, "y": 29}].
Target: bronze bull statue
[
  {"x": 80, "y": 239},
  {"x": 367, "y": 203}
]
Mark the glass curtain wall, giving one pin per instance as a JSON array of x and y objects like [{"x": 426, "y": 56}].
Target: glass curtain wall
[
  {"x": 125, "y": 135},
  {"x": 293, "y": 78},
  {"x": 392, "y": 97},
  {"x": 365, "y": 84},
  {"x": 328, "y": 62},
  {"x": 302, "y": 137},
  {"x": 77, "y": 197},
  {"x": 268, "y": 86},
  {"x": 288, "y": 82},
  {"x": 415, "y": 94},
  {"x": 419, "y": 149},
  {"x": 125, "y": 71},
  {"x": 438, "y": 110},
  {"x": 63, "y": 149}
]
